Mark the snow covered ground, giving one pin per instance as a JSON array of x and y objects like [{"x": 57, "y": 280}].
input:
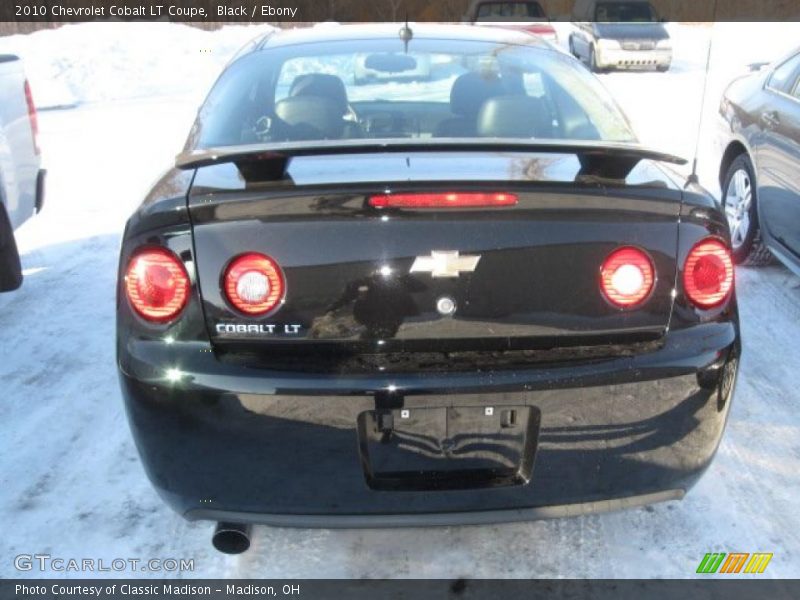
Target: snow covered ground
[
  {"x": 71, "y": 484},
  {"x": 94, "y": 62}
]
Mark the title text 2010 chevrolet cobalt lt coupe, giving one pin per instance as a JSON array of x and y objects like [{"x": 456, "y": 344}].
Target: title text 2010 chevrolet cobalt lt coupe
[{"x": 474, "y": 298}]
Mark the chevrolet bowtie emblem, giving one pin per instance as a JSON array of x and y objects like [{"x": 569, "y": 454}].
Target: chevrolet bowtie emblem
[{"x": 445, "y": 263}]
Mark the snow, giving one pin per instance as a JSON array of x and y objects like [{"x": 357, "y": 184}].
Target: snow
[
  {"x": 95, "y": 62},
  {"x": 71, "y": 484},
  {"x": 734, "y": 46}
]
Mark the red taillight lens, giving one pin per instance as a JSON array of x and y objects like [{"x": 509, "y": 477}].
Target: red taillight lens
[
  {"x": 157, "y": 284},
  {"x": 254, "y": 283},
  {"x": 32, "y": 117},
  {"x": 443, "y": 200},
  {"x": 627, "y": 276},
  {"x": 708, "y": 274}
]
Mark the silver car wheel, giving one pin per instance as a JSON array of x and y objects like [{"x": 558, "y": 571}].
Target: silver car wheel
[{"x": 738, "y": 197}]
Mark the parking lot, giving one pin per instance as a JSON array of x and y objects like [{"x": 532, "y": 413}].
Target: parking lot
[{"x": 71, "y": 484}]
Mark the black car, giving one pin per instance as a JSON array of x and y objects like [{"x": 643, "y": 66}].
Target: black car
[
  {"x": 760, "y": 163},
  {"x": 475, "y": 298}
]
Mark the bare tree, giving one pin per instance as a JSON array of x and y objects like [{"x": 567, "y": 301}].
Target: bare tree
[
  {"x": 453, "y": 10},
  {"x": 393, "y": 9}
]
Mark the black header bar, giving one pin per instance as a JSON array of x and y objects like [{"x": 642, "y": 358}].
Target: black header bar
[{"x": 306, "y": 11}]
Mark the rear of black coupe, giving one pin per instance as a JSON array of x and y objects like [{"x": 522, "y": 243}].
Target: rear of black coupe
[{"x": 391, "y": 310}]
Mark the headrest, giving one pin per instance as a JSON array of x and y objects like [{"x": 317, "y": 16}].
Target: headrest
[
  {"x": 322, "y": 85},
  {"x": 514, "y": 117},
  {"x": 313, "y": 117},
  {"x": 471, "y": 90}
]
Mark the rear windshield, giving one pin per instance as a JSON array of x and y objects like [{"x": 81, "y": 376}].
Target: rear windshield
[
  {"x": 375, "y": 89},
  {"x": 625, "y": 12},
  {"x": 521, "y": 10}
]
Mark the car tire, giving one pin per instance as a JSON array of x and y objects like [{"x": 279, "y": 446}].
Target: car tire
[
  {"x": 662, "y": 68},
  {"x": 740, "y": 204},
  {"x": 593, "y": 61},
  {"x": 10, "y": 266}
]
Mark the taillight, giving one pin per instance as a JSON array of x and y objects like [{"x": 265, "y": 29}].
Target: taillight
[
  {"x": 32, "y": 117},
  {"x": 443, "y": 200},
  {"x": 627, "y": 277},
  {"x": 156, "y": 284},
  {"x": 254, "y": 284},
  {"x": 545, "y": 31},
  {"x": 708, "y": 273}
]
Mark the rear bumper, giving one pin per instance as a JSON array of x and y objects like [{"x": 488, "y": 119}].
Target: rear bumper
[
  {"x": 441, "y": 519},
  {"x": 223, "y": 442}
]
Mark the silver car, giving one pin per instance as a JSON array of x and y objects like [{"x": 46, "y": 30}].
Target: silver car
[{"x": 623, "y": 34}]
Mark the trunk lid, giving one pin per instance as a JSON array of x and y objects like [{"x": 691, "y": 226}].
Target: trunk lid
[{"x": 520, "y": 276}]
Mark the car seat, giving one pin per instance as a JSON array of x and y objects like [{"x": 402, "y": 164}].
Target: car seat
[
  {"x": 467, "y": 95},
  {"x": 316, "y": 107},
  {"x": 514, "y": 116}
]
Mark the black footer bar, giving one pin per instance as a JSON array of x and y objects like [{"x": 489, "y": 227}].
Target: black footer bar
[{"x": 466, "y": 589}]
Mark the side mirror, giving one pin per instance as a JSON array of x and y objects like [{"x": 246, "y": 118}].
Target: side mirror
[{"x": 757, "y": 66}]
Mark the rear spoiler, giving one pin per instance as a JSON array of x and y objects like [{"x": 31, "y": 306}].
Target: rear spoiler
[{"x": 261, "y": 162}]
